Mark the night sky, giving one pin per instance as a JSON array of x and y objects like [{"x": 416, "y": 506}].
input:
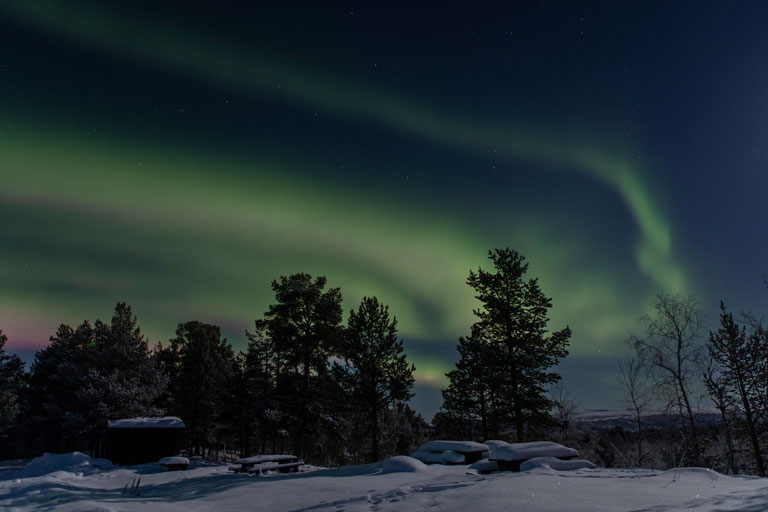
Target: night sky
[{"x": 181, "y": 156}]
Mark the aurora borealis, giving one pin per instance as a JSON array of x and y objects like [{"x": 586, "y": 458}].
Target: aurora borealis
[{"x": 179, "y": 157}]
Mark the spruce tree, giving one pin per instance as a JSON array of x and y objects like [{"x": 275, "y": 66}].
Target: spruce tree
[{"x": 124, "y": 381}]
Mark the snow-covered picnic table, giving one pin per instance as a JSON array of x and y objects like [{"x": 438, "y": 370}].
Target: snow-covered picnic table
[
  {"x": 259, "y": 463},
  {"x": 174, "y": 463},
  {"x": 509, "y": 457},
  {"x": 450, "y": 452}
]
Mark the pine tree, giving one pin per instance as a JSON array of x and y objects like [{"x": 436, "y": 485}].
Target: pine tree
[
  {"x": 740, "y": 359},
  {"x": 11, "y": 382},
  {"x": 376, "y": 367},
  {"x": 513, "y": 319},
  {"x": 475, "y": 389},
  {"x": 198, "y": 362},
  {"x": 89, "y": 375},
  {"x": 304, "y": 326},
  {"x": 57, "y": 412},
  {"x": 262, "y": 367}
]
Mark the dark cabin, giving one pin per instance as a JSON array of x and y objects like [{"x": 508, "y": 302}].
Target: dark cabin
[{"x": 133, "y": 441}]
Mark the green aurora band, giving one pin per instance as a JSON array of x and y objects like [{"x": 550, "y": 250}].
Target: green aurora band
[{"x": 237, "y": 232}]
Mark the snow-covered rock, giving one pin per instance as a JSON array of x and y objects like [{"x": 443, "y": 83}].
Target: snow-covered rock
[
  {"x": 485, "y": 466},
  {"x": 403, "y": 464},
  {"x": 556, "y": 464},
  {"x": 452, "y": 457},
  {"x": 76, "y": 463},
  {"x": 144, "y": 422},
  {"x": 524, "y": 451}
]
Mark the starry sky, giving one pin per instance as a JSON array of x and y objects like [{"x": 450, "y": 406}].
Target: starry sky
[{"x": 180, "y": 155}]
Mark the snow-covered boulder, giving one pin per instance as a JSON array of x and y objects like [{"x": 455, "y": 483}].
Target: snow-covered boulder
[
  {"x": 485, "y": 466},
  {"x": 74, "y": 463},
  {"x": 556, "y": 464},
  {"x": 452, "y": 457},
  {"x": 403, "y": 464}
]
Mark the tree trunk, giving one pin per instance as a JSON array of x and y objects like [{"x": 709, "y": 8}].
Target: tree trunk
[
  {"x": 375, "y": 436},
  {"x": 483, "y": 414},
  {"x": 752, "y": 431}
]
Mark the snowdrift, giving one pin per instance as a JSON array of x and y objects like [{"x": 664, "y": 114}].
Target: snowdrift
[
  {"x": 76, "y": 463},
  {"x": 403, "y": 464},
  {"x": 555, "y": 464}
]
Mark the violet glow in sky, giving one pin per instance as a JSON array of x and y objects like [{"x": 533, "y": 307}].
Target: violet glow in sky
[{"x": 180, "y": 157}]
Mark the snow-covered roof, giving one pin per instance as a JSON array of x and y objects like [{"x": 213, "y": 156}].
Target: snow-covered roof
[
  {"x": 456, "y": 446},
  {"x": 143, "y": 422},
  {"x": 523, "y": 451}
]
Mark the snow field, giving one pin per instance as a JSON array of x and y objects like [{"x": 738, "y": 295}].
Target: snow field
[{"x": 406, "y": 486}]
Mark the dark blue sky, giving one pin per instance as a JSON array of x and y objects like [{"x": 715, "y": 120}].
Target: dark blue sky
[{"x": 180, "y": 156}]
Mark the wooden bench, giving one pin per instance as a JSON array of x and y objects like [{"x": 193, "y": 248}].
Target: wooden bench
[{"x": 261, "y": 463}]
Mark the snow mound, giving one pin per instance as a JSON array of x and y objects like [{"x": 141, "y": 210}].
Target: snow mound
[
  {"x": 555, "y": 464},
  {"x": 524, "y": 451},
  {"x": 74, "y": 462},
  {"x": 403, "y": 464},
  {"x": 485, "y": 466},
  {"x": 456, "y": 446},
  {"x": 709, "y": 474},
  {"x": 144, "y": 422},
  {"x": 451, "y": 457}
]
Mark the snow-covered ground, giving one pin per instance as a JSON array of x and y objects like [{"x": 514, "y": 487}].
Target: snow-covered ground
[{"x": 404, "y": 486}]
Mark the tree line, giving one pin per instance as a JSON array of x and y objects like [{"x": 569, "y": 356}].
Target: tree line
[
  {"x": 337, "y": 393},
  {"x": 328, "y": 392}
]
